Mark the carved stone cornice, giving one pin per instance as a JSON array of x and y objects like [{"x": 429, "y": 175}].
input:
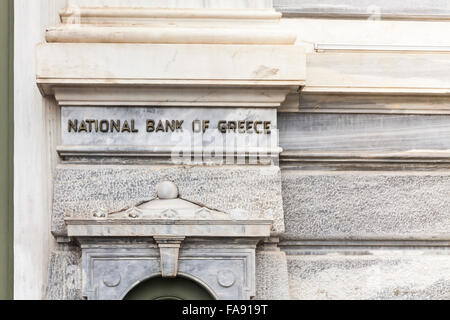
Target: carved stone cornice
[
  {"x": 164, "y": 25},
  {"x": 348, "y": 160},
  {"x": 135, "y": 15},
  {"x": 183, "y": 57}
]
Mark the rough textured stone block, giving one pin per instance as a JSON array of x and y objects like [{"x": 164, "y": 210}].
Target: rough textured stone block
[
  {"x": 371, "y": 274},
  {"x": 271, "y": 276},
  {"x": 64, "y": 279},
  {"x": 366, "y": 205},
  {"x": 80, "y": 190}
]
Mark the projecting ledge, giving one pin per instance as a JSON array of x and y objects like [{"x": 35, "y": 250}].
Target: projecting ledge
[
  {"x": 191, "y": 228},
  {"x": 195, "y": 93},
  {"x": 169, "y": 216},
  {"x": 177, "y": 74},
  {"x": 170, "y": 57}
]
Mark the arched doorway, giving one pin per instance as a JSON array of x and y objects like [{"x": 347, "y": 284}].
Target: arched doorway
[{"x": 168, "y": 289}]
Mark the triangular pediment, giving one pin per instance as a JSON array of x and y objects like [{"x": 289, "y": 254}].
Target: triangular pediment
[
  {"x": 169, "y": 215},
  {"x": 176, "y": 209}
]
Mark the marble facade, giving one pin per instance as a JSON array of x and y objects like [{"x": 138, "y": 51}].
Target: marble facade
[
  {"x": 308, "y": 151},
  {"x": 213, "y": 96}
]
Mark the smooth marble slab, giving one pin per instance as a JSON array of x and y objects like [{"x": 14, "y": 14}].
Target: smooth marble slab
[
  {"x": 425, "y": 9},
  {"x": 370, "y": 72},
  {"x": 81, "y": 63},
  {"x": 244, "y": 4},
  {"x": 363, "y": 132}
]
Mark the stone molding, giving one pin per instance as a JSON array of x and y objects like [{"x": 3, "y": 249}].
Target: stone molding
[
  {"x": 200, "y": 57},
  {"x": 367, "y": 103},
  {"x": 133, "y": 15},
  {"x": 193, "y": 4},
  {"x": 104, "y": 276},
  {"x": 251, "y": 71},
  {"x": 365, "y": 9},
  {"x": 173, "y": 94},
  {"x": 171, "y": 219},
  {"x": 153, "y": 155},
  {"x": 403, "y": 160},
  {"x": 165, "y": 25},
  {"x": 193, "y": 228}
]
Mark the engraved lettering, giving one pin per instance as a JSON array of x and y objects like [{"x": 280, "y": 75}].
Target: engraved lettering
[
  {"x": 104, "y": 126},
  {"x": 115, "y": 125},
  {"x": 179, "y": 125},
  {"x": 73, "y": 125},
  {"x": 90, "y": 122},
  {"x": 205, "y": 125},
  {"x": 82, "y": 127},
  {"x": 133, "y": 129},
  {"x": 196, "y": 126},
  {"x": 249, "y": 127},
  {"x": 160, "y": 127},
  {"x": 267, "y": 127},
  {"x": 150, "y": 125},
  {"x": 170, "y": 125},
  {"x": 241, "y": 126},
  {"x": 167, "y": 126},
  {"x": 232, "y": 125},
  {"x": 257, "y": 123},
  {"x": 126, "y": 127},
  {"x": 222, "y": 126}
]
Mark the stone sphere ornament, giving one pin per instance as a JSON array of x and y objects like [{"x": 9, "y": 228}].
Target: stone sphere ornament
[
  {"x": 167, "y": 190},
  {"x": 226, "y": 278},
  {"x": 112, "y": 279}
]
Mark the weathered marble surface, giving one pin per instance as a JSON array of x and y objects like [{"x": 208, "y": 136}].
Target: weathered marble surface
[
  {"x": 399, "y": 273},
  {"x": 385, "y": 104},
  {"x": 370, "y": 72},
  {"x": 110, "y": 270},
  {"x": 130, "y": 63},
  {"x": 375, "y": 9},
  {"x": 224, "y": 268},
  {"x": 184, "y": 137},
  {"x": 363, "y": 132},
  {"x": 80, "y": 190},
  {"x": 35, "y": 137},
  {"x": 174, "y": 96},
  {"x": 366, "y": 205},
  {"x": 251, "y": 4}
]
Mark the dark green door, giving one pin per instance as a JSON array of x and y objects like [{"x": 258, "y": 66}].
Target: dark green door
[
  {"x": 6, "y": 145},
  {"x": 168, "y": 289}
]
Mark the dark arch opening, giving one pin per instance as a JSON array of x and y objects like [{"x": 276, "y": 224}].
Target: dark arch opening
[{"x": 159, "y": 288}]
